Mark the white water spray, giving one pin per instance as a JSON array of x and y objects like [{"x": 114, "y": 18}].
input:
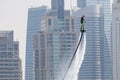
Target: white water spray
[{"x": 73, "y": 71}]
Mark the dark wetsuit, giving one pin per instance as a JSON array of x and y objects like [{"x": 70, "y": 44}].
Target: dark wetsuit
[
  {"x": 82, "y": 22},
  {"x": 82, "y": 19}
]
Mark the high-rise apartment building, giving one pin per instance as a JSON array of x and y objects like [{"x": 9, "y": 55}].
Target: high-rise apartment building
[
  {"x": 33, "y": 26},
  {"x": 54, "y": 44},
  {"x": 94, "y": 66},
  {"x": 10, "y": 63},
  {"x": 52, "y": 51},
  {"x": 116, "y": 40},
  {"x": 54, "y": 47}
]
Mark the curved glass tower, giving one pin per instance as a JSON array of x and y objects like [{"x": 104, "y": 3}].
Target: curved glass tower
[
  {"x": 106, "y": 57},
  {"x": 107, "y": 16},
  {"x": 96, "y": 64}
]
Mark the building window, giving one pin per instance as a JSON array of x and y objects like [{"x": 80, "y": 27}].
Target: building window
[
  {"x": 49, "y": 21},
  {"x": 72, "y": 21}
]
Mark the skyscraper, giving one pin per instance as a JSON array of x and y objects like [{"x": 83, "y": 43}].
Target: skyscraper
[
  {"x": 116, "y": 41},
  {"x": 10, "y": 63},
  {"x": 33, "y": 26},
  {"x": 107, "y": 18},
  {"x": 107, "y": 30},
  {"x": 53, "y": 47},
  {"x": 54, "y": 44},
  {"x": 58, "y": 7},
  {"x": 52, "y": 51},
  {"x": 117, "y": 1},
  {"x": 94, "y": 64}
]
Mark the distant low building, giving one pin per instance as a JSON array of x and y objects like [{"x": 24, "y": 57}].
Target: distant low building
[{"x": 10, "y": 63}]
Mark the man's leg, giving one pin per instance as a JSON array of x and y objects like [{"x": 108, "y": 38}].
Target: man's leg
[{"x": 82, "y": 26}]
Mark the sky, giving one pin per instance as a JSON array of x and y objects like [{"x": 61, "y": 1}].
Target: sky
[{"x": 13, "y": 16}]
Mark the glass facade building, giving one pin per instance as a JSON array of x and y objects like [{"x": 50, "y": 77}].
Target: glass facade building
[
  {"x": 107, "y": 19},
  {"x": 116, "y": 1},
  {"x": 107, "y": 13},
  {"x": 33, "y": 26},
  {"x": 96, "y": 64},
  {"x": 116, "y": 41},
  {"x": 10, "y": 63},
  {"x": 52, "y": 52},
  {"x": 54, "y": 46},
  {"x": 58, "y": 6}
]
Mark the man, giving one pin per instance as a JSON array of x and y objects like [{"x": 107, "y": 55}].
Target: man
[{"x": 82, "y": 22}]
